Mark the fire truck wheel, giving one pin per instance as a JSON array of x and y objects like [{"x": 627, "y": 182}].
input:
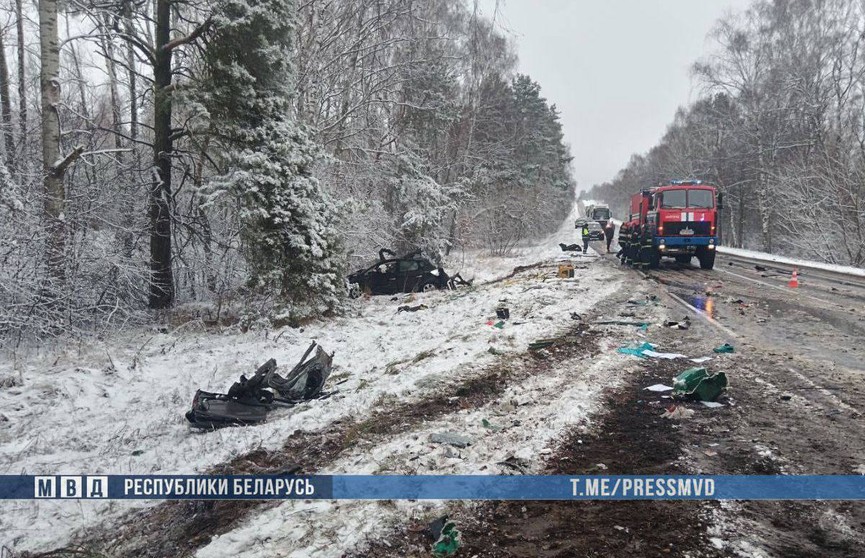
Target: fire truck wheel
[{"x": 707, "y": 259}]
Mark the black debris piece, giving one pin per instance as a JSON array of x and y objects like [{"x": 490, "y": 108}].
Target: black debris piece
[
  {"x": 570, "y": 247},
  {"x": 249, "y": 399},
  {"x": 407, "y": 308}
]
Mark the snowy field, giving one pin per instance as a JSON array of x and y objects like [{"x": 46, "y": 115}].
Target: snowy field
[{"x": 117, "y": 407}]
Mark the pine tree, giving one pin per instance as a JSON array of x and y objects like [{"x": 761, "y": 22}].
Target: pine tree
[{"x": 289, "y": 239}]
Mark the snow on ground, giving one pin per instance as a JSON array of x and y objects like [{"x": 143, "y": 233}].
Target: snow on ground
[
  {"x": 117, "y": 407},
  {"x": 763, "y": 256},
  {"x": 546, "y": 404}
]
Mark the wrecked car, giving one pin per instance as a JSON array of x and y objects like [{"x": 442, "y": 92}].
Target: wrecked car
[
  {"x": 407, "y": 274},
  {"x": 249, "y": 399}
]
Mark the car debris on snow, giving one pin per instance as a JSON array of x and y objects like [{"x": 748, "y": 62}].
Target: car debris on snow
[
  {"x": 249, "y": 399},
  {"x": 667, "y": 356},
  {"x": 659, "y": 388},
  {"x": 711, "y": 404},
  {"x": 697, "y": 383},
  {"x": 678, "y": 412},
  {"x": 449, "y": 538}
]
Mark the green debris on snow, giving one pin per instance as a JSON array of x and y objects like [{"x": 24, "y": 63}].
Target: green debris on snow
[
  {"x": 698, "y": 384},
  {"x": 637, "y": 351},
  {"x": 448, "y": 542}
]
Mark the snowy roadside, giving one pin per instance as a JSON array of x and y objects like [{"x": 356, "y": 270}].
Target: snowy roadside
[
  {"x": 563, "y": 396},
  {"x": 118, "y": 407},
  {"x": 764, "y": 257}
]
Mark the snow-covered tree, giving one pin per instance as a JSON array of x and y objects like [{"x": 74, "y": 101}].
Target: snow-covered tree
[{"x": 289, "y": 239}]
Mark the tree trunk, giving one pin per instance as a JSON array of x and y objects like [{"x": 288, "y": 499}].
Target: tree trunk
[
  {"x": 5, "y": 104},
  {"x": 125, "y": 233},
  {"x": 132, "y": 76},
  {"x": 161, "y": 278},
  {"x": 22, "y": 78},
  {"x": 53, "y": 168}
]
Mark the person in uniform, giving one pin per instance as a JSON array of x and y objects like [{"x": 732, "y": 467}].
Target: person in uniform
[{"x": 585, "y": 233}]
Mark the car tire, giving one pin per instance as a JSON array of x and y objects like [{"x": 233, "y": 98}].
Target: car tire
[
  {"x": 428, "y": 287},
  {"x": 354, "y": 290}
]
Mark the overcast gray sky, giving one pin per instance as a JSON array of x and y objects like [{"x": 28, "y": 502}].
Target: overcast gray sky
[{"x": 616, "y": 69}]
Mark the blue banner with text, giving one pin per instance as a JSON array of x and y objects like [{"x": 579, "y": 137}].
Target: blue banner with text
[{"x": 434, "y": 487}]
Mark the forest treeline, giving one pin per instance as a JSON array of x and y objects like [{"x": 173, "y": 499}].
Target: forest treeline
[
  {"x": 163, "y": 152},
  {"x": 780, "y": 128}
]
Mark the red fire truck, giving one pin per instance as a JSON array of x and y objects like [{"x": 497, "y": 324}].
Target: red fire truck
[{"x": 678, "y": 219}]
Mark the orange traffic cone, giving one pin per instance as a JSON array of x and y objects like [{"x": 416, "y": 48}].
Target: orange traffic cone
[{"x": 794, "y": 280}]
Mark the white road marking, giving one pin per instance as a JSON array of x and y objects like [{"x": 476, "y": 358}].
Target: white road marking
[
  {"x": 703, "y": 315},
  {"x": 786, "y": 290}
]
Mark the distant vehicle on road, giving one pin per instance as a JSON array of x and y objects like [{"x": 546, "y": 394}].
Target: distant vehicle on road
[
  {"x": 599, "y": 212},
  {"x": 596, "y": 232}
]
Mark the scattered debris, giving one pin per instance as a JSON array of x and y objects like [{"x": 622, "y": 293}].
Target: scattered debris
[
  {"x": 503, "y": 313},
  {"x": 451, "y": 438},
  {"x": 659, "y": 388},
  {"x": 637, "y": 351},
  {"x": 576, "y": 316},
  {"x": 711, "y": 404},
  {"x": 566, "y": 271},
  {"x": 622, "y": 322},
  {"x": 518, "y": 464},
  {"x": 759, "y": 268},
  {"x": 684, "y": 324},
  {"x": 499, "y": 324},
  {"x": 489, "y": 425},
  {"x": 407, "y": 308},
  {"x": 786, "y": 397},
  {"x": 696, "y": 383},
  {"x": 541, "y": 344},
  {"x": 678, "y": 412},
  {"x": 725, "y": 348},
  {"x": 570, "y": 247},
  {"x": 650, "y": 299},
  {"x": 668, "y": 356},
  {"x": 448, "y": 541},
  {"x": 700, "y": 360},
  {"x": 248, "y": 400}
]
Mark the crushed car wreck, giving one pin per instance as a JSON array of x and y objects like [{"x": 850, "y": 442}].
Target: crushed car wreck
[
  {"x": 249, "y": 399},
  {"x": 407, "y": 274}
]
